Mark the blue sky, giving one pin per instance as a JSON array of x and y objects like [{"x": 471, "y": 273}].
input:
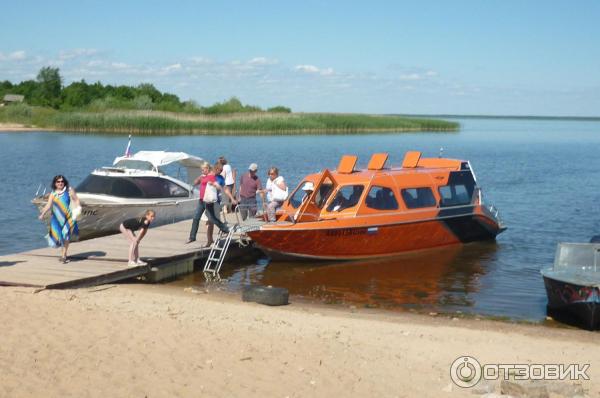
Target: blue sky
[{"x": 427, "y": 57}]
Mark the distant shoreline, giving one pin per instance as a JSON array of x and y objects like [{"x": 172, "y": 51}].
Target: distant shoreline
[{"x": 523, "y": 117}]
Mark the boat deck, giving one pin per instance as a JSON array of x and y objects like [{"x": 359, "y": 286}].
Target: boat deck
[{"x": 103, "y": 260}]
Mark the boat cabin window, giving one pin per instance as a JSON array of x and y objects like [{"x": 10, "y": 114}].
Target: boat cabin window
[
  {"x": 381, "y": 198},
  {"x": 454, "y": 195},
  {"x": 346, "y": 197},
  {"x": 459, "y": 190},
  {"x": 416, "y": 198},
  {"x": 95, "y": 184},
  {"x": 125, "y": 187},
  {"x": 155, "y": 187}
]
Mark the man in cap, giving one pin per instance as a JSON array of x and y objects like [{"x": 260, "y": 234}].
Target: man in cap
[{"x": 249, "y": 185}]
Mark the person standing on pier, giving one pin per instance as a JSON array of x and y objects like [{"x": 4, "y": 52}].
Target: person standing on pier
[
  {"x": 208, "y": 183},
  {"x": 229, "y": 174},
  {"x": 250, "y": 185},
  {"x": 129, "y": 227},
  {"x": 222, "y": 200},
  {"x": 63, "y": 227}
]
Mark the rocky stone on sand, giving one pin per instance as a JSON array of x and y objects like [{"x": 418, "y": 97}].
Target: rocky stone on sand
[{"x": 540, "y": 389}]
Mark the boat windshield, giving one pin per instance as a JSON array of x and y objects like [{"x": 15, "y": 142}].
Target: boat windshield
[
  {"x": 298, "y": 196},
  {"x": 132, "y": 187},
  {"x": 346, "y": 197},
  {"x": 323, "y": 192}
]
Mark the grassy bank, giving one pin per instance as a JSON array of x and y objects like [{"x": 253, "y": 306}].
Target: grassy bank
[{"x": 168, "y": 123}]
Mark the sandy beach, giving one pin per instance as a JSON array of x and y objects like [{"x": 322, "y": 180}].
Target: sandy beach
[
  {"x": 15, "y": 127},
  {"x": 157, "y": 341}
]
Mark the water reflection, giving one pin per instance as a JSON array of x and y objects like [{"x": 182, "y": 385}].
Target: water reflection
[{"x": 442, "y": 279}]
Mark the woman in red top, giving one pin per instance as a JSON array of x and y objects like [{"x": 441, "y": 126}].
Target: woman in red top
[{"x": 207, "y": 178}]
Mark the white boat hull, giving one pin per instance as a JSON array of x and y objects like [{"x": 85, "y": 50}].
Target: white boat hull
[{"x": 100, "y": 218}]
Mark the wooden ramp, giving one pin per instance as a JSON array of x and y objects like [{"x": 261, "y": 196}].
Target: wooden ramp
[{"x": 101, "y": 260}]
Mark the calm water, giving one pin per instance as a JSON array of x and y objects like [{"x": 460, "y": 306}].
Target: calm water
[{"x": 541, "y": 174}]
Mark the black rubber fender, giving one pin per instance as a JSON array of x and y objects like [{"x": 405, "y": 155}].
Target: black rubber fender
[{"x": 267, "y": 295}]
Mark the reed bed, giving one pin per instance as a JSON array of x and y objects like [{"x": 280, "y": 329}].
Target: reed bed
[
  {"x": 247, "y": 124},
  {"x": 170, "y": 123}
]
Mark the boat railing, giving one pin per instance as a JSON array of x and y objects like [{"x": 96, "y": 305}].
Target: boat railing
[
  {"x": 580, "y": 256},
  {"x": 251, "y": 222},
  {"x": 39, "y": 189}
]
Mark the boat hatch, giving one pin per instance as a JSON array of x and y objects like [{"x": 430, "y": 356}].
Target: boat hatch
[
  {"x": 377, "y": 161},
  {"x": 411, "y": 159},
  {"x": 347, "y": 163},
  {"x": 310, "y": 209}
]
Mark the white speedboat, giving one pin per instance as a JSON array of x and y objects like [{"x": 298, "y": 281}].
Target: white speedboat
[{"x": 157, "y": 180}]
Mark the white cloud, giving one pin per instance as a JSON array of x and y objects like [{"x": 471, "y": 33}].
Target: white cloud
[
  {"x": 119, "y": 65},
  {"x": 77, "y": 53},
  {"x": 14, "y": 56},
  {"x": 262, "y": 61},
  {"x": 201, "y": 60},
  {"x": 311, "y": 69},
  {"x": 307, "y": 68},
  {"x": 171, "y": 68},
  {"x": 411, "y": 76}
]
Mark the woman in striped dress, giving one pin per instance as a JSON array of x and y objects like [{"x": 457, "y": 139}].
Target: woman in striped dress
[{"x": 62, "y": 228}]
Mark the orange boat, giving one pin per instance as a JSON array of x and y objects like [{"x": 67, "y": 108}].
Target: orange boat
[{"x": 380, "y": 211}]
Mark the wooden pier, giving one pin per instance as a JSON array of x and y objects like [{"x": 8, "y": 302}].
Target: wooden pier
[{"x": 104, "y": 260}]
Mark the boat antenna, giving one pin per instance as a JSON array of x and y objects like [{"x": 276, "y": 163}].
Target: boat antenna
[
  {"x": 128, "y": 149},
  {"x": 441, "y": 152}
]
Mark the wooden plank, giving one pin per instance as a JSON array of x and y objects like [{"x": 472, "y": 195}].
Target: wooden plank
[{"x": 101, "y": 260}]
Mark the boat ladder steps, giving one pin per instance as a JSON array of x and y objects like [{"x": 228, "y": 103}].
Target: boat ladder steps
[{"x": 218, "y": 252}]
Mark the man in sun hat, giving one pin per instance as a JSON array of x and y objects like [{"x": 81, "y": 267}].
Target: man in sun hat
[
  {"x": 308, "y": 189},
  {"x": 249, "y": 185}
]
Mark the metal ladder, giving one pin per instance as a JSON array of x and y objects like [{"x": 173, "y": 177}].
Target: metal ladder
[{"x": 218, "y": 251}]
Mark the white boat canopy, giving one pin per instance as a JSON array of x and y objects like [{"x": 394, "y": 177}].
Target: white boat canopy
[{"x": 154, "y": 160}]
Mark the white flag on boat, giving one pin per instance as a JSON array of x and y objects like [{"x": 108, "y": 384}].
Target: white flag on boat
[{"x": 128, "y": 150}]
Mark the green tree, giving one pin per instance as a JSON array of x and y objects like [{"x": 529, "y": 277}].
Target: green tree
[
  {"x": 149, "y": 90},
  {"x": 50, "y": 84},
  {"x": 30, "y": 89},
  {"x": 279, "y": 109},
  {"x": 76, "y": 95}
]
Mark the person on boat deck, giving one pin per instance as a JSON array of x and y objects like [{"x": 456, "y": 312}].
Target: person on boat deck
[
  {"x": 250, "y": 185},
  {"x": 210, "y": 226},
  {"x": 205, "y": 203},
  {"x": 229, "y": 174},
  {"x": 129, "y": 228},
  {"x": 308, "y": 189},
  {"x": 276, "y": 191},
  {"x": 63, "y": 227}
]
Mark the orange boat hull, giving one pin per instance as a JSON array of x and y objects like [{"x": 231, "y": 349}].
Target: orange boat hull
[{"x": 358, "y": 242}]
